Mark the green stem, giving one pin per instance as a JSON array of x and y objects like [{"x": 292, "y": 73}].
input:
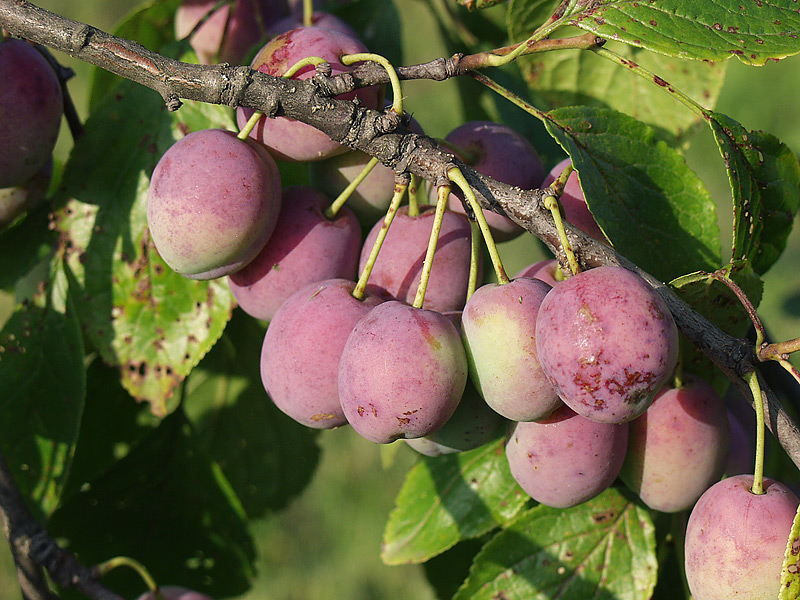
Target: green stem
[
  {"x": 251, "y": 123},
  {"x": 397, "y": 94},
  {"x": 413, "y": 204},
  {"x": 551, "y": 203},
  {"x": 789, "y": 367},
  {"x": 331, "y": 211},
  {"x": 758, "y": 401},
  {"x": 494, "y": 60},
  {"x": 457, "y": 177},
  {"x": 308, "y": 13},
  {"x": 125, "y": 561},
  {"x": 474, "y": 258},
  {"x": 653, "y": 78},
  {"x": 438, "y": 217},
  {"x": 778, "y": 349},
  {"x": 303, "y": 62},
  {"x": 361, "y": 285},
  {"x": 509, "y": 95},
  {"x": 413, "y": 190}
]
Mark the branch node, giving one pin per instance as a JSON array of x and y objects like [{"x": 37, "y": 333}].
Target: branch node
[
  {"x": 452, "y": 65},
  {"x": 80, "y": 38},
  {"x": 173, "y": 102}
]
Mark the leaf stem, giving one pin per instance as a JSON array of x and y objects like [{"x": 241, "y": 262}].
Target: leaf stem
[
  {"x": 758, "y": 403},
  {"x": 397, "y": 94},
  {"x": 457, "y": 177},
  {"x": 653, "y": 78},
  {"x": 125, "y": 561},
  {"x": 509, "y": 95},
  {"x": 333, "y": 209},
  {"x": 524, "y": 47},
  {"x": 779, "y": 349},
  {"x": 361, "y": 285},
  {"x": 723, "y": 276},
  {"x": 438, "y": 217}
]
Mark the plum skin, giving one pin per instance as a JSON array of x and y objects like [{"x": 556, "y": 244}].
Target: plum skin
[
  {"x": 174, "y": 592},
  {"x": 31, "y": 103},
  {"x": 213, "y": 203},
  {"x": 402, "y": 373},
  {"x": 565, "y": 459},
  {"x": 735, "y": 540},
  {"x": 678, "y": 448},
  {"x": 607, "y": 342}
]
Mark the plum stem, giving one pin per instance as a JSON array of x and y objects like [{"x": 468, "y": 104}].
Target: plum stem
[
  {"x": 551, "y": 203},
  {"x": 457, "y": 177},
  {"x": 361, "y": 285},
  {"x": 397, "y": 94},
  {"x": 303, "y": 62},
  {"x": 413, "y": 201},
  {"x": 441, "y": 204},
  {"x": 474, "y": 257},
  {"x": 758, "y": 403},
  {"x": 251, "y": 123},
  {"x": 308, "y": 13},
  {"x": 126, "y": 561},
  {"x": 333, "y": 209}
]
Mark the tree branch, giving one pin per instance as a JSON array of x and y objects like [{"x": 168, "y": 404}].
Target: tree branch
[{"x": 311, "y": 102}]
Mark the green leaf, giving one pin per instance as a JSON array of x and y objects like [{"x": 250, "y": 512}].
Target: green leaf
[
  {"x": 575, "y": 77},
  {"x": 167, "y": 505},
  {"x": 43, "y": 383},
  {"x": 718, "y": 303},
  {"x": 152, "y": 323},
  {"x": 753, "y": 31},
  {"x": 790, "y": 573},
  {"x": 765, "y": 178},
  {"x": 267, "y": 457},
  {"x": 24, "y": 246},
  {"x": 653, "y": 208},
  {"x": 450, "y": 498},
  {"x": 602, "y": 549}
]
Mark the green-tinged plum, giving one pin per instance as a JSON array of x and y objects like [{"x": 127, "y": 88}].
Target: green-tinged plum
[
  {"x": 397, "y": 270},
  {"x": 607, "y": 342},
  {"x": 303, "y": 347},
  {"x": 501, "y": 153},
  {"x": 402, "y": 373},
  {"x": 173, "y": 592},
  {"x": 213, "y": 203},
  {"x": 565, "y": 459},
  {"x": 499, "y": 333},
  {"x": 573, "y": 202},
  {"x": 306, "y": 247},
  {"x": 473, "y": 424},
  {"x": 285, "y": 138},
  {"x": 31, "y": 105},
  {"x": 678, "y": 448},
  {"x": 735, "y": 540}
]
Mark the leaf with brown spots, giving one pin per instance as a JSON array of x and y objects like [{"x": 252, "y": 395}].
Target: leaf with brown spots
[
  {"x": 602, "y": 549},
  {"x": 450, "y": 498},
  {"x": 139, "y": 315},
  {"x": 790, "y": 573},
  {"x": 752, "y": 31}
]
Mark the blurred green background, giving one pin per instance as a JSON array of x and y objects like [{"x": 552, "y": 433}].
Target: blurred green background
[{"x": 327, "y": 543}]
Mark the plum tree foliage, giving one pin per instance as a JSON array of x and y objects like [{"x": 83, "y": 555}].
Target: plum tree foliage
[{"x": 151, "y": 412}]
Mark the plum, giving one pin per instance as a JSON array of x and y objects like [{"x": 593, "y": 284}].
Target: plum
[
  {"x": 31, "y": 104},
  {"x": 501, "y": 153},
  {"x": 607, "y": 342},
  {"x": 173, "y": 592},
  {"x": 286, "y": 138},
  {"x": 213, "y": 203},
  {"x": 397, "y": 270},
  {"x": 318, "y": 19},
  {"x": 678, "y": 448},
  {"x": 565, "y": 459},
  {"x": 545, "y": 270},
  {"x": 573, "y": 202},
  {"x": 735, "y": 540},
  {"x": 402, "y": 373},
  {"x": 306, "y": 247},
  {"x": 302, "y": 349},
  {"x": 498, "y": 328}
]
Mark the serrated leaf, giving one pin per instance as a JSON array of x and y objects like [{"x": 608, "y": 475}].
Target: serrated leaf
[
  {"x": 790, "y": 572},
  {"x": 167, "y": 505},
  {"x": 43, "y": 383},
  {"x": 573, "y": 77},
  {"x": 152, "y": 323},
  {"x": 754, "y": 31},
  {"x": 602, "y": 549},
  {"x": 450, "y": 498},
  {"x": 653, "y": 208},
  {"x": 765, "y": 179},
  {"x": 718, "y": 303},
  {"x": 267, "y": 457}
]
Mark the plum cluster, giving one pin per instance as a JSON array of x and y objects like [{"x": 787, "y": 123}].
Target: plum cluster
[
  {"x": 577, "y": 373},
  {"x": 31, "y": 106}
]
